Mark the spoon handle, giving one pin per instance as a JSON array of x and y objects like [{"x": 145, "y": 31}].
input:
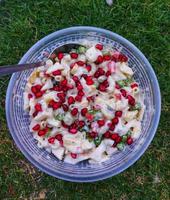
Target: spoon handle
[{"x": 9, "y": 69}]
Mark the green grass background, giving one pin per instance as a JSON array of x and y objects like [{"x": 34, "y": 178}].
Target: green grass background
[{"x": 146, "y": 23}]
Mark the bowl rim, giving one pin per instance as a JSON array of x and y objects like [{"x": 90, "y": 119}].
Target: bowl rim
[{"x": 155, "y": 118}]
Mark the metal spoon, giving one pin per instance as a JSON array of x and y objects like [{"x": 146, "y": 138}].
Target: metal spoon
[{"x": 9, "y": 69}]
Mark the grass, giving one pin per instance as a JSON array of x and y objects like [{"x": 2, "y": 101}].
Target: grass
[{"x": 143, "y": 22}]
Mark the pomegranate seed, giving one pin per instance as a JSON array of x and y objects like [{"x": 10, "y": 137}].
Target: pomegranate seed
[
  {"x": 106, "y": 57},
  {"x": 56, "y": 105},
  {"x": 65, "y": 107},
  {"x": 79, "y": 87},
  {"x": 61, "y": 96},
  {"x": 108, "y": 73},
  {"x": 115, "y": 120},
  {"x": 36, "y": 127},
  {"x": 84, "y": 76},
  {"x": 133, "y": 85},
  {"x": 107, "y": 134},
  {"x": 35, "y": 114},
  {"x": 64, "y": 124},
  {"x": 99, "y": 59},
  {"x": 111, "y": 127},
  {"x": 84, "y": 111},
  {"x": 56, "y": 73},
  {"x": 80, "y": 63},
  {"x": 118, "y": 139},
  {"x": 101, "y": 71},
  {"x": 75, "y": 78},
  {"x": 129, "y": 140},
  {"x": 38, "y": 87},
  {"x": 105, "y": 83},
  {"x": 60, "y": 55},
  {"x": 114, "y": 136},
  {"x": 124, "y": 93},
  {"x": 80, "y": 93},
  {"x": 38, "y": 94},
  {"x": 73, "y": 155},
  {"x": 74, "y": 111},
  {"x": 33, "y": 89},
  {"x": 101, "y": 122},
  {"x": 115, "y": 56},
  {"x": 88, "y": 67},
  {"x": 41, "y": 132},
  {"x": 63, "y": 82},
  {"x": 96, "y": 74},
  {"x": 72, "y": 65},
  {"x": 59, "y": 137},
  {"x": 74, "y": 55},
  {"x": 99, "y": 46},
  {"x": 81, "y": 124},
  {"x": 71, "y": 100},
  {"x": 78, "y": 98},
  {"x": 51, "y": 140},
  {"x": 131, "y": 100},
  {"x": 102, "y": 88},
  {"x": 117, "y": 86},
  {"x": 57, "y": 88},
  {"x": 90, "y": 98},
  {"x": 73, "y": 130},
  {"x": 69, "y": 86},
  {"x": 51, "y": 103},
  {"x": 38, "y": 107},
  {"x": 89, "y": 116},
  {"x": 118, "y": 113},
  {"x": 118, "y": 96},
  {"x": 122, "y": 58},
  {"x": 93, "y": 134},
  {"x": 30, "y": 96}
]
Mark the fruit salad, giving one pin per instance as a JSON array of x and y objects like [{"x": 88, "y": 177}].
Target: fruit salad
[{"x": 85, "y": 104}]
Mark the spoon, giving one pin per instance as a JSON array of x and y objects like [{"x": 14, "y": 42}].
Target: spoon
[{"x": 9, "y": 69}]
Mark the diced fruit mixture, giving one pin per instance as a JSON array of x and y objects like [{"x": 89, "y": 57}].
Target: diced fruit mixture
[{"x": 84, "y": 105}]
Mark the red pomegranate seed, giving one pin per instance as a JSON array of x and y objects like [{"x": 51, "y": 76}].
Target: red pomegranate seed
[
  {"x": 118, "y": 113},
  {"x": 107, "y": 134},
  {"x": 63, "y": 82},
  {"x": 80, "y": 93},
  {"x": 118, "y": 96},
  {"x": 99, "y": 59},
  {"x": 81, "y": 124},
  {"x": 88, "y": 67},
  {"x": 38, "y": 107},
  {"x": 71, "y": 100},
  {"x": 64, "y": 124},
  {"x": 35, "y": 114},
  {"x": 74, "y": 111},
  {"x": 96, "y": 74},
  {"x": 75, "y": 78},
  {"x": 56, "y": 73},
  {"x": 69, "y": 86},
  {"x": 30, "y": 96},
  {"x": 89, "y": 116},
  {"x": 33, "y": 89},
  {"x": 59, "y": 137},
  {"x": 99, "y": 46},
  {"x": 80, "y": 63},
  {"x": 106, "y": 57},
  {"x": 131, "y": 100},
  {"x": 56, "y": 105},
  {"x": 41, "y": 132},
  {"x": 124, "y": 93},
  {"x": 129, "y": 140},
  {"x": 108, "y": 73},
  {"x": 74, "y": 55},
  {"x": 118, "y": 139},
  {"x": 36, "y": 127},
  {"x": 73, "y": 130},
  {"x": 73, "y": 155},
  {"x": 105, "y": 83},
  {"x": 65, "y": 107},
  {"x": 122, "y": 58},
  {"x": 57, "y": 88},
  {"x": 101, "y": 122},
  {"x": 61, "y": 96},
  {"x": 117, "y": 86},
  {"x": 51, "y": 140},
  {"x": 84, "y": 111},
  {"x": 60, "y": 55},
  {"x": 84, "y": 76},
  {"x": 79, "y": 87},
  {"x": 93, "y": 134},
  {"x": 102, "y": 88},
  {"x": 114, "y": 136},
  {"x": 51, "y": 103},
  {"x": 38, "y": 94},
  {"x": 115, "y": 120},
  {"x": 101, "y": 71},
  {"x": 78, "y": 98},
  {"x": 133, "y": 85},
  {"x": 111, "y": 126},
  {"x": 38, "y": 87},
  {"x": 90, "y": 98}
]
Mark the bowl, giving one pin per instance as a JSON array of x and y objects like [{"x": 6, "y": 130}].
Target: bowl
[{"x": 18, "y": 119}]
